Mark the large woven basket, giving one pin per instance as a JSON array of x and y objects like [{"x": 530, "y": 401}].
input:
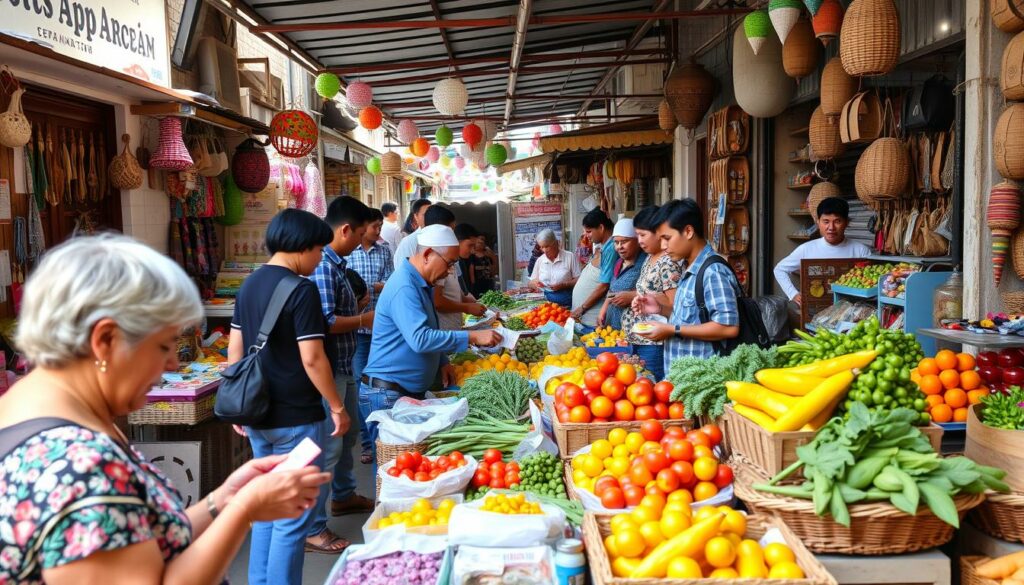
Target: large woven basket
[
  {"x": 1001, "y": 516},
  {"x": 875, "y": 528},
  {"x": 801, "y": 51},
  {"x": 837, "y": 88},
  {"x": 824, "y": 135},
  {"x": 1008, "y": 142},
  {"x": 820, "y": 192},
  {"x": 1008, "y": 15},
  {"x": 175, "y": 413},
  {"x": 387, "y": 453},
  {"x": 124, "y": 170},
  {"x": 390, "y": 164},
  {"x": 869, "y": 42},
  {"x": 596, "y": 527},
  {"x": 883, "y": 170},
  {"x": 968, "y": 571},
  {"x": 1011, "y": 76}
]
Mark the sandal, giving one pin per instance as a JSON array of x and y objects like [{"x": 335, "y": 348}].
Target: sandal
[
  {"x": 327, "y": 543},
  {"x": 366, "y": 458}
]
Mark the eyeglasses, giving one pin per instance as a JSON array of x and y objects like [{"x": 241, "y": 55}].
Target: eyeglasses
[{"x": 449, "y": 263}]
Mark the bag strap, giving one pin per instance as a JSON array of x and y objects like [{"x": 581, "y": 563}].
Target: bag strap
[
  {"x": 698, "y": 291},
  {"x": 282, "y": 292}
]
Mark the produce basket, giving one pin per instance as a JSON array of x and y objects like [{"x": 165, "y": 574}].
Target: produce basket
[
  {"x": 595, "y": 530},
  {"x": 168, "y": 412},
  {"x": 571, "y": 437},
  {"x": 968, "y": 574},
  {"x": 875, "y": 528},
  {"x": 1002, "y": 448},
  {"x": 770, "y": 452},
  {"x": 1001, "y": 516}
]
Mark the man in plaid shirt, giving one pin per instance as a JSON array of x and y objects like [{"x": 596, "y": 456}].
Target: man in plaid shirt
[
  {"x": 373, "y": 262},
  {"x": 347, "y": 218}
]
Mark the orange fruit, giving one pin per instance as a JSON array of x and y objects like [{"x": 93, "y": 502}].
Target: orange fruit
[
  {"x": 950, "y": 379},
  {"x": 965, "y": 362},
  {"x": 975, "y": 396},
  {"x": 942, "y": 413},
  {"x": 630, "y": 543},
  {"x": 915, "y": 376},
  {"x": 934, "y": 399},
  {"x": 706, "y": 490},
  {"x": 970, "y": 380},
  {"x": 960, "y": 415},
  {"x": 956, "y": 398},
  {"x": 928, "y": 367},
  {"x": 946, "y": 360},
  {"x": 930, "y": 384}
]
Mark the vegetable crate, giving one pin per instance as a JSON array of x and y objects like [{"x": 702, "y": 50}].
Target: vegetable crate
[
  {"x": 595, "y": 529},
  {"x": 771, "y": 452},
  {"x": 968, "y": 574},
  {"x": 875, "y": 528},
  {"x": 571, "y": 437},
  {"x": 1002, "y": 448},
  {"x": 1001, "y": 516}
]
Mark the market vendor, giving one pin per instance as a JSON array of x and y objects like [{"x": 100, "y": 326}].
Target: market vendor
[
  {"x": 833, "y": 219},
  {"x": 408, "y": 349},
  {"x": 556, "y": 270},
  {"x": 622, "y": 289},
  {"x": 590, "y": 290}
]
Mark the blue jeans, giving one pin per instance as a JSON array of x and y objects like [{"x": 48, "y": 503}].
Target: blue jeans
[
  {"x": 654, "y": 357},
  {"x": 338, "y": 453},
  {"x": 276, "y": 551},
  {"x": 371, "y": 400},
  {"x": 358, "y": 365}
]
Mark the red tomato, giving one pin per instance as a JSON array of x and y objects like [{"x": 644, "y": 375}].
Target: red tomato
[
  {"x": 436, "y": 472},
  {"x": 680, "y": 450},
  {"x": 602, "y": 406},
  {"x": 626, "y": 374},
  {"x": 456, "y": 456},
  {"x": 600, "y": 419},
  {"x": 513, "y": 465},
  {"x": 660, "y": 411},
  {"x": 675, "y": 431},
  {"x": 633, "y": 495},
  {"x": 607, "y": 363},
  {"x": 563, "y": 413},
  {"x": 560, "y": 391},
  {"x": 443, "y": 462},
  {"x": 663, "y": 391},
  {"x": 652, "y": 489},
  {"x": 667, "y": 481},
  {"x": 579, "y": 414},
  {"x": 624, "y": 410},
  {"x": 676, "y": 410},
  {"x": 393, "y": 471},
  {"x": 405, "y": 461},
  {"x": 651, "y": 430},
  {"x": 572, "y": 395},
  {"x": 497, "y": 483},
  {"x": 593, "y": 378},
  {"x": 640, "y": 394},
  {"x": 492, "y": 456},
  {"x": 425, "y": 466},
  {"x": 712, "y": 431},
  {"x": 645, "y": 412},
  {"x": 481, "y": 478},
  {"x": 417, "y": 458},
  {"x": 698, "y": 438},
  {"x": 408, "y": 473},
  {"x": 684, "y": 473},
  {"x": 613, "y": 498},
  {"x": 497, "y": 469},
  {"x": 511, "y": 478},
  {"x": 655, "y": 461},
  {"x": 723, "y": 476},
  {"x": 421, "y": 476},
  {"x": 640, "y": 475},
  {"x": 604, "y": 482},
  {"x": 589, "y": 396},
  {"x": 613, "y": 388}
]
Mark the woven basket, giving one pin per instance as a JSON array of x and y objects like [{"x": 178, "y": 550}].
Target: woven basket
[
  {"x": 820, "y": 192},
  {"x": 387, "y": 453},
  {"x": 124, "y": 170},
  {"x": 862, "y": 118},
  {"x": 571, "y": 437},
  {"x": 1003, "y": 212},
  {"x": 174, "y": 413},
  {"x": 1011, "y": 76},
  {"x": 293, "y": 133},
  {"x": 666, "y": 119},
  {"x": 824, "y": 134},
  {"x": 883, "y": 170},
  {"x": 801, "y": 51},
  {"x": 875, "y": 529},
  {"x": 689, "y": 91},
  {"x": 969, "y": 571},
  {"x": 1001, "y": 516},
  {"x": 171, "y": 153},
  {"x": 837, "y": 88},
  {"x": 597, "y": 526},
  {"x": 250, "y": 167},
  {"x": 1008, "y": 15},
  {"x": 390, "y": 164},
  {"x": 869, "y": 42},
  {"x": 1009, "y": 143},
  {"x": 1017, "y": 249},
  {"x": 15, "y": 129}
]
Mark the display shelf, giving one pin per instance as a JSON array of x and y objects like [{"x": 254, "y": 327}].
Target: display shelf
[
  {"x": 799, "y": 213},
  {"x": 983, "y": 340},
  {"x": 844, "y": 327},
  {"x": 911, "y": 259},
  {"x": 917, "y": 303},
  {"x": 806, "y": 187},
  {"x": 882, "y": 299},
  {"x": 849, "y": 291}
]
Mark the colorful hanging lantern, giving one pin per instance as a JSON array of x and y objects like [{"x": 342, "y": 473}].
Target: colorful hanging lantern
[
  {"x": 327, "y": 85},
  {"x": 250, "y": 166},
  {"x": 450, "y": 97},
  {"x": 234, "y": 204},
  {"x": 757, "y": 26},
  {"x": 828, "y": 21},
  {"x": 407, "y": 131},
  {"x": 359, "y": 95},
  {"x": 420, "y": 147},
  {"x": 495, "y": 155},
  {"x": 472, "y": 135},
  {"x": 1002, "y": 217},
  {"x": 784, "y": 14},
  {"x": 370, "y": 118},
  {"x": 763, "y": 89},
  {"x": 554, "y": 129},
  {"x": 813, "y": 6},
  {"x": 459, "y": 162},
  {"x": 373, "y": 165},
  {"x": 171, "y": 154},
  {"x": 444, "y": 161},
  {"x": 689, "y": 91},
  {"x": 433, "y": 154},
  {"x": 443, "y": 136},
  {"x": 293, "y": 133}
]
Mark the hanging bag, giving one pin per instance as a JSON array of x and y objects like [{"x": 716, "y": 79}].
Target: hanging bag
[
  {"x": 124, "y": 170},
  {"x": 930, "y": 106},
  {"x": 15, "y": 129}
]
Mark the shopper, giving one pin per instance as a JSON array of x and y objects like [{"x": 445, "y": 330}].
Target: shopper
[
  {"x": 833, "y": 219},
  {"x": 100, "y": 322},
  {"x": 681, "y": 227},
  {"x": 407, "y": 246},
  {"x": 590, "y": 290},
  {"x": 482, "y": 267},
  {"x": 622, "y": 289},
  {"x": 372, "y": 261},
  {"x": 452, "y": 299},
  {"x": 659, "y": 274},
  {"x": 408, "y": 349},
  {"x": 556, "y": 271},
  {"x": 390, "y": 232},
  {"x": 347, "y": 217}
]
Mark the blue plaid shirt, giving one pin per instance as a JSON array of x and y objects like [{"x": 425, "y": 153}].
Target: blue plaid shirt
[
  {"x": 719, "y": 297},
  {"x": 336, "y": 298},
  {"x": 375, "y": 265}
]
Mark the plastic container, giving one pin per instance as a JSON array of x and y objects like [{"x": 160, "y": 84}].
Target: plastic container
[
  {"x": 947, "y": 300},
  {"x": 570, "y": 563}
]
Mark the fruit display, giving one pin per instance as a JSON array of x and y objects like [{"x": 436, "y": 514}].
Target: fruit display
[
  {"x": 881, "y": 456},
  {"x": 539, "y": 317},
  {"x": 405, "y": 567},
  {"x": 700, "y": 382},
  {"x": 511, "y": 504},
  {"x": 663, "y": 539},
  {"x": 471, "y": 365},
  {"x": 417, "y": 467},
  {"x": 1007, "y": 569},
  {"x": 653, "y": 463},
  {"x": 867, "y": 276},
  {"x": 422, "y": 513},
  {"x": 1001, "y": 370},
  {"x": 529, "y": 350},
  {"x": 493, "y": 299},
  {"x": 614, "y": 391},
  {"x": 604, "y": 337},
  {"x": 779, "y": 412},
  {"x": 574, "y": 358},
  {"x": 867, "y": 334},
  {"x": 950, "y": 385},
  {"x": 1004, "y": 411},
  {"x": 494, "y": 473}
]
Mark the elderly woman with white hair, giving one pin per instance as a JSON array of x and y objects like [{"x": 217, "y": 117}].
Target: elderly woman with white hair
[
  {"x": 100, "y": 323},
  {"x": 622, "y": 288},
  {"x": 556, "y": 271}
]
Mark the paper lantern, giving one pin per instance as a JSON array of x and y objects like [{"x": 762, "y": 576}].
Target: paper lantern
[
  {"x": 784, "y": 14},
  {"x": 812, "y": 6},
  {"x": 690, "y": 90},
  {"x": 373, "y": 165},
  {"x": 407, "y": 131},
  {"x": 359, "y": 95},
  {"x": 757, "y": 26},
  {"x": 370, "y": 118},
  {"x": 327, "y": 85},
  {"x": 495, "y": 155},
  {"x": 433, "y": 154},
  {"x": 234, "y": 203},
  {"x": 444, "y": 161},
  {"x": 828, "y": 21},
  {"x": 459, "y": 162},
  {"x": 250, "y": 166},
  {"x": 763, "y": 89},
  {"x": 837, "y": 87},
  {"x": 293, "y": 133},
  {"x": 450, "y": 97},
  {"x": 420, "y": 147},
  {"x": 472, "y": 135},
  {"x": 869, "y": 42},
  {"x": 390, "y": 164},
  {"x": 171, "y": 153},
  {"x": 443, "y": 136},
  {"x": 666, "y": 119},
  {"x": 554, "y": 129}
]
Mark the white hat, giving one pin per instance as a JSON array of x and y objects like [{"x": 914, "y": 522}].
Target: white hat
[
  {"x": 624, "y": 228},
  {"x": 437, "y": 236}
]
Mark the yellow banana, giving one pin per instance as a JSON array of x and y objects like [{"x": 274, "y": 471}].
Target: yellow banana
[
  {"x": 787, "y": 382},
  {"x": 815, "y": 402},
  {"x": 759, "y": 397},
  {"x": 830, "y": 367}
]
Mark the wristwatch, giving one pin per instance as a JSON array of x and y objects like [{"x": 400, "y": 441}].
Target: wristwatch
[{"x": 679, "y": 331}]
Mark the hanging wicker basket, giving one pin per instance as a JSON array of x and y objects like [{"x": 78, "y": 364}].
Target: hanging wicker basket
[
  {"x": 666, "y": 119},
  {"x": 15, "y": 129},
  {"x": 820, "y": 192},
  {"x": 883, "y": 170},
  {"x": 837, "y": 88},
  {"x": 390, "y": 164},
  {"x": 862, "y": 119},
  {"x": 1011, "y": 78},
  {"x": 1008, "y": 15},
  {"x": 824, "y": 135},
  {"x": 1003, "y": 211},
  {"x": 801, "y": 51},
  {"x": 250, "y": 167},
  {"x": 1018, "y": 253},
  {"x": 869, "y": 42},
  {"x": 1009, "y": 143},
  {"x": 689, "y": 91},
  {"x": 124, "y": 170}
]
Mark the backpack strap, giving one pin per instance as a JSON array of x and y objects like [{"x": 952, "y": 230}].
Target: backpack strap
[
  {"x": 282, "y": 292},
  {"x": 698, "y": 292}
]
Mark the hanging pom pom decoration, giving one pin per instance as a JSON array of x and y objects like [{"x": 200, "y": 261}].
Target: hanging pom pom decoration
[
  {"x": 828, "y": 21},
  {"x": 757, "y": 26},
  {"x": 472, "y": 135},
  {"x": 370, "y": 118},
  {"x": 171, "y": 154},
  {"x": 420, "y": 147},
  {"x": 327, "y": 85},
  {"x": 812, "y": 6},
  {"x": 784, "y": 14},
  {"x": 407, "y": 131},
  {"x": 359, "y": 95},
  {"x": 444, "y": 161},
  {"x": 433, "y": 154},
  {"x": 293, "y": 133},
  {"x": 443, "y": 136},
  {"x": 250, "y": 166},
  {"x": 459, "y": 162},
  {"x": 495, "y": 155},
  {"x": 554, "y": 129},
  {"x": 373, "y": 165},
  {"x": 450, "y": 97}
]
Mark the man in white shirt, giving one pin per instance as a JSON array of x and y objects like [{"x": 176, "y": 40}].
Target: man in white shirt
[
  {"x": 833, "y": 217},
  {"x": 407, "y": 247},
  {"x": 556, "y": 271},
  {"x": 390, "y": 231}
]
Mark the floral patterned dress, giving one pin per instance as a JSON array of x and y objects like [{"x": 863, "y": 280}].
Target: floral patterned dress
[
  {"x": 68, "y": 492},
  {"x": 661, "y": 275}
]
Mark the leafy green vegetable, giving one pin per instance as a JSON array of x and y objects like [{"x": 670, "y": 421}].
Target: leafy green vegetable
[
  {"x": 700, "y": 383},
  {"x": 1004, "y": 411}
]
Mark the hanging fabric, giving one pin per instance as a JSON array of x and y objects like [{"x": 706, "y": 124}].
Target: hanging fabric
[
  {"x": 36, "y": 239},
  {"x": 316, "y": 201}
]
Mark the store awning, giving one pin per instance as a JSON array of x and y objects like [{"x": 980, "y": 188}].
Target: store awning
[
  {"x": 525, "y": 163},
  {"x": 608, "y": 137},
  {"x": 336, "y": 144}
]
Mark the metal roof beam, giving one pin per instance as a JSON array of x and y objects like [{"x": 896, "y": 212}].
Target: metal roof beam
[
  {"x": 526, "y": 97},
  {"x": 444, "y": 35},
  {"x": 497, "y": 70},
  {"x": 526, "y": 58},
  {"x": 518, "y": 42}
]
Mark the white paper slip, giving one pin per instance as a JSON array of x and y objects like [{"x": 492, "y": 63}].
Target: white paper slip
[{"x": 302, "y": 455}]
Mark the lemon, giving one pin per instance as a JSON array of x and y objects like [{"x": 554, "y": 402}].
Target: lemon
[
  {"x": 720, "y": 552},
  {"x": 684, "y": 568},
  {"x": 776, "y": 553},
  {"x": 601, "y": 448},
  {"x": 422, "y": 505},
  {"x": 786, "y": 570}
]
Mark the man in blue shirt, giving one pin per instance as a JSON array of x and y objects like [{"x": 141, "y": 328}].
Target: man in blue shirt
[
  {"x": 598, "y": 227},
  {"x": 681, "y": 226},
  {"x": 407, "y": 348}
]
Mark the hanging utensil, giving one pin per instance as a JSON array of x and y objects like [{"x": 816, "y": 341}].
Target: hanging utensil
[
  {"x": 57, "y": 177},
  {"x": 67, "y": 168},
  {"x": 42, "y": 183},
  {"x": 92, "y": 179},
  {"x": 80, "y": 170}
]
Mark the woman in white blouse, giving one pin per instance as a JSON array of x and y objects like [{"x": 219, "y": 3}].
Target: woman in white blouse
[{"x": 556, "y": 271}]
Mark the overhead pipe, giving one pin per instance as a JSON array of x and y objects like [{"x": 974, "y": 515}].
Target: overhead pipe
[
  {"x": 434, "y": 63},
  {"x": 485, "y": 71},
  {"x": 522, "y": 97},
  {"x": 560, "y": 118},
  {"x": 518, "y": 42}
]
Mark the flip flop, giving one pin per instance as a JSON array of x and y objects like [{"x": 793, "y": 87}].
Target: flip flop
[{"x": 329, "y": 544}]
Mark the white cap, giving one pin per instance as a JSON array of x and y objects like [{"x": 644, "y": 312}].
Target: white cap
[
  {"x": 437, "y": 236},
  {"x": 624, "y": 228}
]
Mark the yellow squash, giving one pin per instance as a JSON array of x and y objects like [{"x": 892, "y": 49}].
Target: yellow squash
[
  {"x": 1002, "y": 567},
  {"x": 761, "y": 398},
  {"x": 816, "y": 401},
  {"x": 787, "y": 382},
  {"x": 688, "y": 543},
  {"x": 750, "y": 560},
  {"x": 760, "y": 418},
  {"x": 830, "y": 367}
]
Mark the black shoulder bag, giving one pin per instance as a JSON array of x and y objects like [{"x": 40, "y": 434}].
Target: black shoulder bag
[
  {"x": 243, "y": 398},
  {"x": 752, "y": 329}
]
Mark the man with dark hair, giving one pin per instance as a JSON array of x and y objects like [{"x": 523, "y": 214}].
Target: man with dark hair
[
  {"x": 427, "y": 214},
  {"x": 592, "y": 286},
  {"x": 390, "y": 231},
  {"x": 347, "y": 218},
  {"x": 451, "y": 298},
  {"x": 833, "y": 218}
]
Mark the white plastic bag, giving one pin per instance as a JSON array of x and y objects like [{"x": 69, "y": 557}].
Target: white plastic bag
[
  {"x": 469, "y": 525},
  {"x": 389, "y": 541},
  {"x": 560, "y": 341},
  {"x": 536, "y": 441},
  {"x": 453, "y": 481},
  {"x": 412, "y": 421},
  {"x": 533, "y": 564}
]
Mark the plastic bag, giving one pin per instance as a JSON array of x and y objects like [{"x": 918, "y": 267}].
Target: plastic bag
[
  {"x": 546, "y": 374},
  {"x": 536, "y": 441},
  {"x": 560, "y": 341},
  {"x": 469, "y": 525},
  {"x": 775, "y": 316},
  {"x": 533, "y": 565},
  {"x": 453, "y": 481},
  {"x": 412, "y": 421}
]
